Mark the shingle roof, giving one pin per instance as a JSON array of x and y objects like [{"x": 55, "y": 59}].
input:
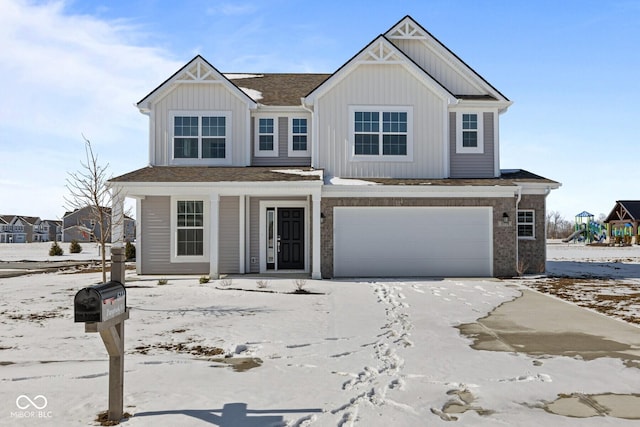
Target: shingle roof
[
  {"x": 215, "y": 174},
  {"x": 279, "y": 89},
  {"x": 631, "y": 206},
  {"x": 507, "y": 177}
]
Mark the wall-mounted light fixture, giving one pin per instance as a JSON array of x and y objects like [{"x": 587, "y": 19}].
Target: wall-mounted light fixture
[
  {"x": 505, "y": 218},
  {"x": 321, "y": 218}
]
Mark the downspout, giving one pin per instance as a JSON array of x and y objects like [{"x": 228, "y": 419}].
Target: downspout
[
  {"x": 313, "y": 132},
  {"x": 518, "y": 198}
]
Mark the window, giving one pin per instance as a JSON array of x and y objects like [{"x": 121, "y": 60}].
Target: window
[
  {"x": 190, "y": 228},
  {"x": 469, "y": 138},
  {"x": 266, "y": 137},
  {"x": 526, "y": 224},
  {"x": 201, "y": 136},
  {"x": 382, "y": 133},
  {"x": 299, "y": 135}
]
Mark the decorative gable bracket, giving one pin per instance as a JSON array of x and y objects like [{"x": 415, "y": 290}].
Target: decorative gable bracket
[
  {"x": 407, "y": 30},
  {"x": 380, "y": 52},
  {"x": 198, "y": 72}
]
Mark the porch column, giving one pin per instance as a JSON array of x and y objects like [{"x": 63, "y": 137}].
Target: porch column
[
  {"x": 117, "y": 218},
  {"x": 213, "y": 235},
  {"x": 139, "y": 241},
  {"x": 315, "y": 232}
]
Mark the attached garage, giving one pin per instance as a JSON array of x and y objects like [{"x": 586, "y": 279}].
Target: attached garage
[{"x": 413, "y": 241}]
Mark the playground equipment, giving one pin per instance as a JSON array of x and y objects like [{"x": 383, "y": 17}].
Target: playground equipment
[
  {"x": 622, "y": 234},
  {"x": 587, "y": 230}
]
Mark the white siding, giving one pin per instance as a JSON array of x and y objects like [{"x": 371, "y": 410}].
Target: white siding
[
  {"x": 381, "y": 85},
  {"x": 439, "y": 69},
  {"x": 200, "y": 97}
]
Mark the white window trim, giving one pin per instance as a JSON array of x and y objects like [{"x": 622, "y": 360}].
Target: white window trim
[
  {"x": 470, "y": 150},
  {"x": 381, "y": 157},
  {"x": 256, "y": 149},
  {"x": 299, "y": 153},
  {"x": 206, "y": 236},
  {"x": 532, "y": 224},
  {"x": 201, "y": 161}
]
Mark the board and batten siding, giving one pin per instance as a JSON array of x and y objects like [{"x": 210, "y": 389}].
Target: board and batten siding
[
  {"x": 439, "y": 69},
  {"x": 283, "y": 158},
  {"x": 381, "y": 85},
  {"x": 476, "y": 165},
  {"x": 229, "y": 235},
  {"x": 156, "y": 240},
  {"x": 198, "y": 97}
]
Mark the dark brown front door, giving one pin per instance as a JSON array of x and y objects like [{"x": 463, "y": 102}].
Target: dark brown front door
[{"x": 290, "y": 238}]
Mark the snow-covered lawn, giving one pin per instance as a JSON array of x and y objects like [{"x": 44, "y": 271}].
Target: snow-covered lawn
[{"x": 353, "y": 353}]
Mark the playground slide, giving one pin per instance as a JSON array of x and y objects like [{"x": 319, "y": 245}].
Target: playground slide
[{"x": 573, "y": 236}]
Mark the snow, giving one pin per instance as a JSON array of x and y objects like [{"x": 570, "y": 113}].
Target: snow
[
  {"x": 301, "y": 172},
  {"x": 256, "y": 95},
  {"x": 238, "y": 76},
  {"x": 349, "y": 181},
  {"x": 349, "y": 353}
]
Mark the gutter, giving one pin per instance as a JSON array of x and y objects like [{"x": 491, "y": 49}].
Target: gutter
[{"x": 516, "y": 233}]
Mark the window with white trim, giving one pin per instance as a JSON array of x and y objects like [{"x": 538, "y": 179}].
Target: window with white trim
[
  {"x": 201, "y": 136},
  {"x": 266, "y": 137},
  {"x": 381, "y": 133},
  {"x": 190, "y": 228},
  {"x": 469, "y": 133},
  {"x": 526, "y": 224},
  {"x": 299, "y": 137}
]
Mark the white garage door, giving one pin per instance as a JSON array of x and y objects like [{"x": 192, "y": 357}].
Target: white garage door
[{"x": 412, "y": 241}]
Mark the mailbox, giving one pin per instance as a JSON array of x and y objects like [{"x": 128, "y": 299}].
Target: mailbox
[{"x": 99, "y": 303}]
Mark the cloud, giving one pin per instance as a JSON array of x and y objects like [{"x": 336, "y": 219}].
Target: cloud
[
  {"x": 63, "y": 75},
  {"x": 233, "y": 9}
]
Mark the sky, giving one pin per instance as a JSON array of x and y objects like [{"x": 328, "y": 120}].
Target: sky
[{"x": 75, "y": 69}]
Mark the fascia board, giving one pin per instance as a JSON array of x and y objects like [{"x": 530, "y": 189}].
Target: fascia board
[
  {"x": 270, "y": 188},
  {"x": 535, "y": 188},
  {"x": 422, "y": 191}
]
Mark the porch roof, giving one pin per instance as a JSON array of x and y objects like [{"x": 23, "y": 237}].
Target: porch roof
[{"x": 220, "y": 174}]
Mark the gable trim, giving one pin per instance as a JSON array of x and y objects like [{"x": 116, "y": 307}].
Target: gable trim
[
  {"x": 438, "y": 48},
  {"x": 202, "y": 76},
  {"x": 380, "y": 51}
]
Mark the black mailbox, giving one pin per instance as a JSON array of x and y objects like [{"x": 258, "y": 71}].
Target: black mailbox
[{"x": 99, "y": 303}]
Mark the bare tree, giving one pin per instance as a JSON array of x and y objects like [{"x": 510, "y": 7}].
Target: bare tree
[
  {"x": 557, "y": 226},
  {"x": 88, "y": 189}
]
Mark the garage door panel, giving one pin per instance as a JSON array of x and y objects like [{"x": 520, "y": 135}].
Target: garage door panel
[{"x": 412, "y": 241}]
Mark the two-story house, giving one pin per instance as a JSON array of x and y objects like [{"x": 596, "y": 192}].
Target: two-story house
[
  {"x": 390, "y": 166},
  {"x": 13, "y": 229},
  {"x": 83, "y": 225}
]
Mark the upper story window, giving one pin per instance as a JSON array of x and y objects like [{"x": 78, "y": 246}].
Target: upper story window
[
  {"x": 266, "y": 137},
  {"x": 299, "y": 138},
  {"x": 382, "y": 133},
  {"x": 201, "y": 136},
  {"x": 526, "y": 224},
  {"x": 469, "y": 135}
]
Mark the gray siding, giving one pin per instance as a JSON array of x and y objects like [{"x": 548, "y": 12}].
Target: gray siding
[
  {"x": 283, "y": 158},
  {"x": 229, "y": 235},
  {"x": 473, "y": 165},
  {"x": 156, "y": 229}
]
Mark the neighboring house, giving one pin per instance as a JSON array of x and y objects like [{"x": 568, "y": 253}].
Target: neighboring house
[
  {"x": 13, "y": 229},
  {"x": 388, "y": 167},
  {"x": 624, "y": 219},
  {"x": 36, "y": 230},
  {"x": 55, "y": 230},
  {"x": 82, "y": 225}
]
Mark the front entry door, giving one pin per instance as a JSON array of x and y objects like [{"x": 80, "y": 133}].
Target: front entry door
[{"x": 290, "y": 241}]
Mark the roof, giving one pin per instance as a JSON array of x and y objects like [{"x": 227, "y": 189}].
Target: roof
[
  {"x": 219, "y": 174},
  {"x": 508, "y": 177},
  {"x": 632, "y": 208},
  {"x": 278, "y": 89}
]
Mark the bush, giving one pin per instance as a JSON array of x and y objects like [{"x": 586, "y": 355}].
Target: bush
[
  {"x": 162, "y": 281},
  {"x": 55, "y": 250},
  {"x": 204, "y": 279},
  {"x": 129, "y": 251},
  {"x": 75, "y": 247}
]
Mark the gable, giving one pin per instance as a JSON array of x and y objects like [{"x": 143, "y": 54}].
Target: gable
[
  {"x": 625, "y": 210},
  {"x": 380, "y": 52},
  {"x": 197, "y": 71},
  {"x": 440, "y": 62}
]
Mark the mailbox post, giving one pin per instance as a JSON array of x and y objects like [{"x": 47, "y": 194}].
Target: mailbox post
[{"x": 103, "y": 309}]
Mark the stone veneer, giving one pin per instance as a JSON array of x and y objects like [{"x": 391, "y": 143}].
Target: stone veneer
[{"x": 532, "y": 252}]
